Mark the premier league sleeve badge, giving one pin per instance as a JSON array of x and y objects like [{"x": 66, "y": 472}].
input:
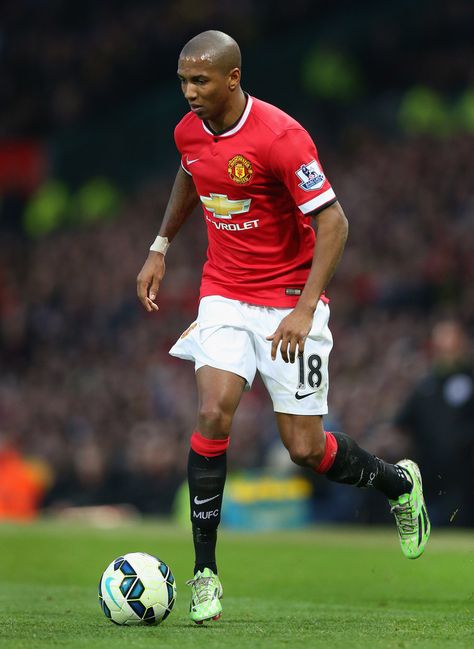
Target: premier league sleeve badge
[{"x": 311, "y": 176}]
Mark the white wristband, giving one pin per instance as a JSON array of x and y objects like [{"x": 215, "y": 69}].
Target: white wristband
[{"x": 160, "y": 244}]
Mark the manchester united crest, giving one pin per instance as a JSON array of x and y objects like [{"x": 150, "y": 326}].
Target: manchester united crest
[{"x": 240, "y": 169}]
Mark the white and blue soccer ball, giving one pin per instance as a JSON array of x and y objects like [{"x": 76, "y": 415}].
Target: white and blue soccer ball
[{"x": 137, "y": 589}]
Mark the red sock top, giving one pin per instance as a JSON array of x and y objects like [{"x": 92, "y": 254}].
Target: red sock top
[
  {"x": 329, "y": 454},
  {"x": 208, "y": 447}
]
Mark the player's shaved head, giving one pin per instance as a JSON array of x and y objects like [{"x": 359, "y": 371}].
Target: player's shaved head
[
  {"x": 217, "y": 48},
  {"x": 209, "y": 74}
]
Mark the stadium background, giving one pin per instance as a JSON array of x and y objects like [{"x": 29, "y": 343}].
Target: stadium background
[{"x": 92, "y": 408}]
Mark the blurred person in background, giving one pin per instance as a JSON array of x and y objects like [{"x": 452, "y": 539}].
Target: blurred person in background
[
  {"x": 257, "y": 173},
  {"x": 438, "y": 417},
  {"x": 23, "y": 482}
]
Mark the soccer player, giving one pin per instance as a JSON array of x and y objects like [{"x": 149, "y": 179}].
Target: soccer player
[{"x": 256, "y": 173}]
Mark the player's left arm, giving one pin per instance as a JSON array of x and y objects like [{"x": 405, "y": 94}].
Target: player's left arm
[{"x": 332, "y": 229}]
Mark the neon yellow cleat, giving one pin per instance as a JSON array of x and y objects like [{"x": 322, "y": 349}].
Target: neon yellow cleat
[
  {"x": 411, "y": 515},
  {"x": 205, "y": 596}
]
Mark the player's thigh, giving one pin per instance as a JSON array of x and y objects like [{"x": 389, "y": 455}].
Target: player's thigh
[
  {"x": 300, "y": 388},
  {"x": 219, "y": 391}
]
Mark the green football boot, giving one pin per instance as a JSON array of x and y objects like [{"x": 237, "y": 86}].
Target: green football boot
[
  {"x": 205, "y": 596},
  {"x": 411, "y": 515}
]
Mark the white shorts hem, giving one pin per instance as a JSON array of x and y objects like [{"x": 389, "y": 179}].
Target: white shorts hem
[
  {"x": 201, "y": 362},
  {"x": 217, "y": 366},
  {"x": 292, "y": 410}
]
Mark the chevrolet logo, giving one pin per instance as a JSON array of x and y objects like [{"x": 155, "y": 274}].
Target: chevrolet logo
[{"x": 223, "y": 207}]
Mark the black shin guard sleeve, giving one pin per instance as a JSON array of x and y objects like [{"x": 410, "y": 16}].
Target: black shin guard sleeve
[
  {"x": 352, "y": 465},
  {"x": 205, "y": 549},
  {"x": 206, "y": 477}
]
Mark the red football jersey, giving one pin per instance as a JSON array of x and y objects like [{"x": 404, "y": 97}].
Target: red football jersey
[{"x": 257, "y": 180}]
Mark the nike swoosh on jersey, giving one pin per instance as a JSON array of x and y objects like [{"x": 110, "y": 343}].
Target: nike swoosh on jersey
[
  {"x": 303, "y": 396},
  {"x": 190, "y": 162},
  {"x": 205, "y": 500}
]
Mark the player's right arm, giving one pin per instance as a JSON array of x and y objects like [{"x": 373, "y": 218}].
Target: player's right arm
[{"x": 182, "y": 201}]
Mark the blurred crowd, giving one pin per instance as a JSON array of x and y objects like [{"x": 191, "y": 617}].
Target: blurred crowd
[
  {"x": 87, "y": 384},
  {"x": 63, "y": 62}
]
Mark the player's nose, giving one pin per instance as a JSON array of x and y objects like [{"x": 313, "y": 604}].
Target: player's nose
[{"x": 190, "y": 92}]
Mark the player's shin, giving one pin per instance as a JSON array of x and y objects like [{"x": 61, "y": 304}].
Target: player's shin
[
  {"x": 207, "y": 467},
  {"x": 345, "y": 462}
]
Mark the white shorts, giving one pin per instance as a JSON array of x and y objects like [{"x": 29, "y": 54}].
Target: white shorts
[{"x": 231, "y": 335}]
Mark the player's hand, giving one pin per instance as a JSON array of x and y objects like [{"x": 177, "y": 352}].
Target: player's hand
[
  {"x": 148, "y": 280},
  {"x": 292, "y": 333}
]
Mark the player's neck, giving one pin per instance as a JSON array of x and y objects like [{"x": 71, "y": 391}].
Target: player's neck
[{"x": 232, "y": 115}]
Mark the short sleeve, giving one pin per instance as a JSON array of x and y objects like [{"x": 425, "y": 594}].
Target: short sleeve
[
  {"x": 183, "y": 165},
  {"x": 294, "y": 160},
  {"x": 184, "y": 158}
]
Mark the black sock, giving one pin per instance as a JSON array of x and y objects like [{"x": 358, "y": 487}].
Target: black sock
[
  {"x": 205, "y": 549},
  {"x": 206, "y": 477},
  {"x": 352, "y": 465}
]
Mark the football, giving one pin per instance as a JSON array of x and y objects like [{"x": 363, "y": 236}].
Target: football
[{"x": 137, "y": 588}]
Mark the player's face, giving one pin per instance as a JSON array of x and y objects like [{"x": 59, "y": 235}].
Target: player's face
[{"x": 206, "y": 89}]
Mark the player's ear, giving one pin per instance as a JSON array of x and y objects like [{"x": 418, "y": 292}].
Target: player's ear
[{"x": 233, "y": 79}]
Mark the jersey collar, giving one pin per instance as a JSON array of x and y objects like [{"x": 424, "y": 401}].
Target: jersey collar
[{"x": 237, "y": 126}]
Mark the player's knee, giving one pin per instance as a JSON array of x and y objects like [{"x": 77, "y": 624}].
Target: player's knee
[
  {"x": 214, "y": 422},
  {"x": 300, "y": 455},
  {"x": 306, "y": 454}
]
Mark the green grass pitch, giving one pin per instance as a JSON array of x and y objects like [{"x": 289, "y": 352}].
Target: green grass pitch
[{"x": 331, "y": 588}]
